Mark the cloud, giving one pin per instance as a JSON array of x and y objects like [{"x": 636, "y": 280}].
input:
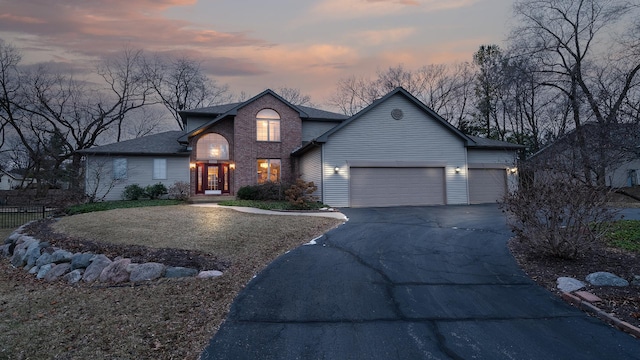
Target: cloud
[
  {"x": 350, "y": 9},
  {"x": 92, "y": 28},
  {"x": 378, "y": 37}
]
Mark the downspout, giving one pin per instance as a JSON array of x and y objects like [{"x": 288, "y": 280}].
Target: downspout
[{"x": 466, "y": 173}]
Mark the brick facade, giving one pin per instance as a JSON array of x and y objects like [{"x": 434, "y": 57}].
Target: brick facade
[{"x": 245, "y": 150}]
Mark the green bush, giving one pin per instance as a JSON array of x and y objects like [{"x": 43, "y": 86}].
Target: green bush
[
  {"x": 133, "y": 192},
  {"x": 268, "y": 191},
  {"x": 155, "y": 191}
]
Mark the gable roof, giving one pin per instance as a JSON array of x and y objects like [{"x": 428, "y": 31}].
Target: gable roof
[
  {"x": 220, "y": 112},
  {"x": 469, "y": 141},
  {"x": 484, "y": 143},
  {"x": 165, "y": 143}
]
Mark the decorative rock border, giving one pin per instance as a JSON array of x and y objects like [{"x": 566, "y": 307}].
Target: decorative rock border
[
  {"x": 52, "y": 264},
  {"x": 584, "y": 300}
]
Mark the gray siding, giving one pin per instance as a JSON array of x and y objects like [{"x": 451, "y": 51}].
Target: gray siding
[
  {"x": 313, "y": 129},
  {"x": 507, "y": 158},
  {"x": 195, "y": 122},
  {"x": 139, "y": 171},
  {"x": 376, "y": 136},
  {"x": 311, "y": 169}
]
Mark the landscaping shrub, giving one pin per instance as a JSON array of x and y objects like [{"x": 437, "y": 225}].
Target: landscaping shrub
[
  {"x": 179, "y": 190},
  {"x": 300, "y": 195},
  {"x": 155, "y": 191},
  {"x": 559, "y": 217},
  {"x": 133, "y": 192},
  {"x": 268, "y": 191}
]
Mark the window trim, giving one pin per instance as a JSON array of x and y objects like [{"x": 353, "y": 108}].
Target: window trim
[
  {"x": 159, "y": 173},
  {"x": 269, "y": 119},
  {"x": 268, "y": 170},
  {"x": 120, "y": 168}
]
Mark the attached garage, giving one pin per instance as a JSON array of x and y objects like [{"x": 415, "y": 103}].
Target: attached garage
[
  {"x": 396, "y": 186},
  {"x": 487, "y": 185}
]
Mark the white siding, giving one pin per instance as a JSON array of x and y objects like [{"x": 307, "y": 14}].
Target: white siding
[
  {"x": 376, "y": 136},
  {"x": 310, "y": 169},
  {"x": 313, "y": 129},
  {"x": 139, "y": 171},
  {"x": 618, "y": 176},
  {"x": 507, "y": 158}
]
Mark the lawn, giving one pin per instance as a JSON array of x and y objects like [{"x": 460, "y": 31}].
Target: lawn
[{"x": 165, "y": 319}]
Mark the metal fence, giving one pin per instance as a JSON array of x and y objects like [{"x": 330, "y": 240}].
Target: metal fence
[{"x": 17, "y": 215}]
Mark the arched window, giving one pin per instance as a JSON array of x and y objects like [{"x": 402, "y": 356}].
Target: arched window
[
  {"x": 267, "y": 125},
  {"x": 212, "y": 147}
]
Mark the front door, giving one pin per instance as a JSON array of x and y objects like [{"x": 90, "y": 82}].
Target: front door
[{"x": 212, "y": 179}]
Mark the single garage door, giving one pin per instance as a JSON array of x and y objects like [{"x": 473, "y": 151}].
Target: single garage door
[
  {"x": 396, "y": 186},
  {"x": 487, "y": 185}
]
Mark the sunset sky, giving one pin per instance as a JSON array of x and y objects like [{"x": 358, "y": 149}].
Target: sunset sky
[{"x": 257, "y": 44}]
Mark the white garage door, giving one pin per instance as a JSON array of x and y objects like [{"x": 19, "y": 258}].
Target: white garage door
[
  {"x": 396, "y": 186},
  {"x": 487, "y": 185}
]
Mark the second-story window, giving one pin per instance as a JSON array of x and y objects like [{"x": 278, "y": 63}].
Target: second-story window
[{"x": 268, "y": 125}]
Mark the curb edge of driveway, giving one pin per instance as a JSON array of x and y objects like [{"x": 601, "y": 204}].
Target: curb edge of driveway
[{"x": 601, "y": 314}]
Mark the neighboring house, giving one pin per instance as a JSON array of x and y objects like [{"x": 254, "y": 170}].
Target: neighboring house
[
  {"x": 395, "y": 152},
  {"x": 612, "y": 153},
  {"x": 13, "y": 179}
]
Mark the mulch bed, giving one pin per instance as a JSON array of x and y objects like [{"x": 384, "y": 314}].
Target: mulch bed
[
  {"x": 621, "y": 302},
  {"x": 42, "y": 231}
]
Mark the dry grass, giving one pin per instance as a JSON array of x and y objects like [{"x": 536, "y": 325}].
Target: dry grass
[{"x": 165, "y": 319}]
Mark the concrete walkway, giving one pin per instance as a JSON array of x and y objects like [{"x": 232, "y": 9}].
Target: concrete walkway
[
  {"x": 331, "y": 214},
  {"x": 409, "y": 283}
]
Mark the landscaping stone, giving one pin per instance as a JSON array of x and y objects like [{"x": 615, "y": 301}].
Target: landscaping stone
[
  {"x": 603, "y": 278},
  {"x": 57, "y": 271},
  {"x": 32, "y": 255},
  {"x": 116, "y": 272},
  {"x": 209, "y": 274},
  {"x": 178, "y": 271},
  {"x": 44, "y": 259},
  {"x": 19, "y": 258},
  {"x": 81, "y": 260},
  {"x": 61, "y": 256},
  {"x": 636, "y": 280},
  {"x": 93, "y": 271},
  {"x": 51, "y": 263},
  {"x": 568, "y": 284},
  {"x": 147, "y": 271},
  {"x": 73, "y": 277},
  {"x": 44, "y": 269}
]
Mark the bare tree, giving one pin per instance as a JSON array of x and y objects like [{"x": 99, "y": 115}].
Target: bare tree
[
  {"x": 584, "y": 56},
  {"x": 294, "y": 96},
  {"x": 180, "y": 84}
]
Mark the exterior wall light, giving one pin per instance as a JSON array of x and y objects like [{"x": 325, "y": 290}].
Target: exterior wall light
[
  {"x": 458, "y": 170},
  {"x": 192, "y": 165},
  {"x": 232, "y": 166},
  {"x": 512, "y": 170},
  {"x": 336, "y": 169}
]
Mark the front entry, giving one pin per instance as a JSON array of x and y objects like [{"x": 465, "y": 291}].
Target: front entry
[{"x": 212, "y": 179}]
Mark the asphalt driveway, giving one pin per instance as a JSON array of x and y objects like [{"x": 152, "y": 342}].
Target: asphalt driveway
[{"x": 409, "y": 283}]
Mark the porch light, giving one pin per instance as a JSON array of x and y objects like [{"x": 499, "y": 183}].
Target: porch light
[
  {"x": 192, "y": 165},
  {"x": 512, "y": 170},
  {"x": 458, "y": 170},
  {"x": 336, "y": 169},
  {"x": 232, "y": 166}
]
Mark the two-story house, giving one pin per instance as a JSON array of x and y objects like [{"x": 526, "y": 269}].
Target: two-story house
[{"x": 395, "y": 152}]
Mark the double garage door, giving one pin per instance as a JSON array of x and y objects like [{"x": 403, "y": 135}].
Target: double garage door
[
  {"x": 376, "y": 186},
  {"x": 372, "y": 186}
]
